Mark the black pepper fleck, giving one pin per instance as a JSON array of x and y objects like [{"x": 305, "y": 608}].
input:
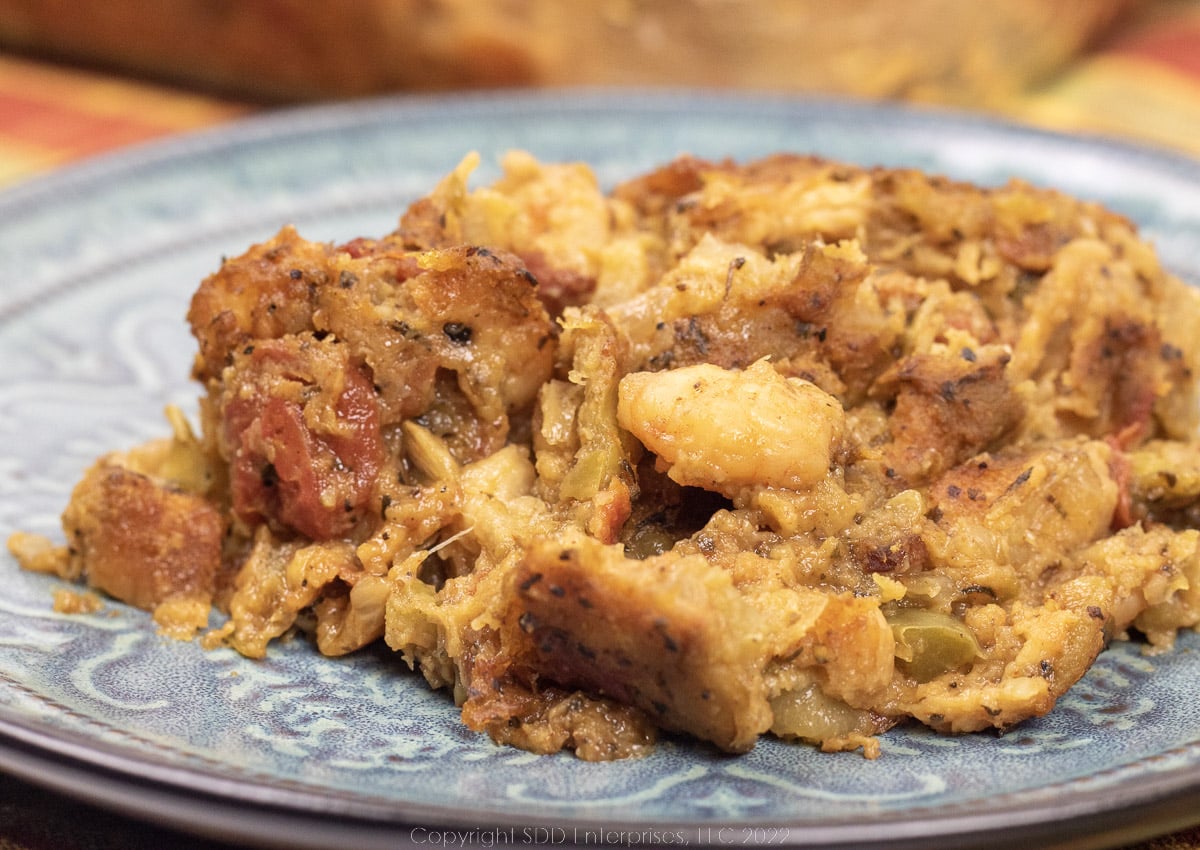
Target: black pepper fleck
[{"x": 457, "y": 332}]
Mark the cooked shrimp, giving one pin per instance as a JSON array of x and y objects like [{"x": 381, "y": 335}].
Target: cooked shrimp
[{"x": 724, "y": 430}]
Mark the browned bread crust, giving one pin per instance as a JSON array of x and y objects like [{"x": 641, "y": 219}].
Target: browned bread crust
[{"x": 943, "y": 50}]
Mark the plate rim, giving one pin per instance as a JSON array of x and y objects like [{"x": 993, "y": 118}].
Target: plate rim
[
  {"x": 273, "y": 819},
  {"x": 286, "y": 121}
]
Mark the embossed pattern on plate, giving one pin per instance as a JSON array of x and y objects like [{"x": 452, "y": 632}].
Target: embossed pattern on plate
[{"x": 99, "y": 263}]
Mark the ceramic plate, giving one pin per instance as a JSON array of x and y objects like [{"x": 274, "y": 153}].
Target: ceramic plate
[{"x": 99, "y": 262}]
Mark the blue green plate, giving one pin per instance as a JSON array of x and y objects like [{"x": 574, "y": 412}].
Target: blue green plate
[{"x": 98, "y": 264}]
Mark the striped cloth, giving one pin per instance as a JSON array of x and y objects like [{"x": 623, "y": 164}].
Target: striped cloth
[
  {"x": 1144, "y": 84},
  {"x": 52, "y": 115}
]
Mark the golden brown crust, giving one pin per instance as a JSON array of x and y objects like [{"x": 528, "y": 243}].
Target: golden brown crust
[
  {"x": 939, "y": 50},
  {"x": 657, "y": 641},
  {"x": 140, "y": 541}
]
